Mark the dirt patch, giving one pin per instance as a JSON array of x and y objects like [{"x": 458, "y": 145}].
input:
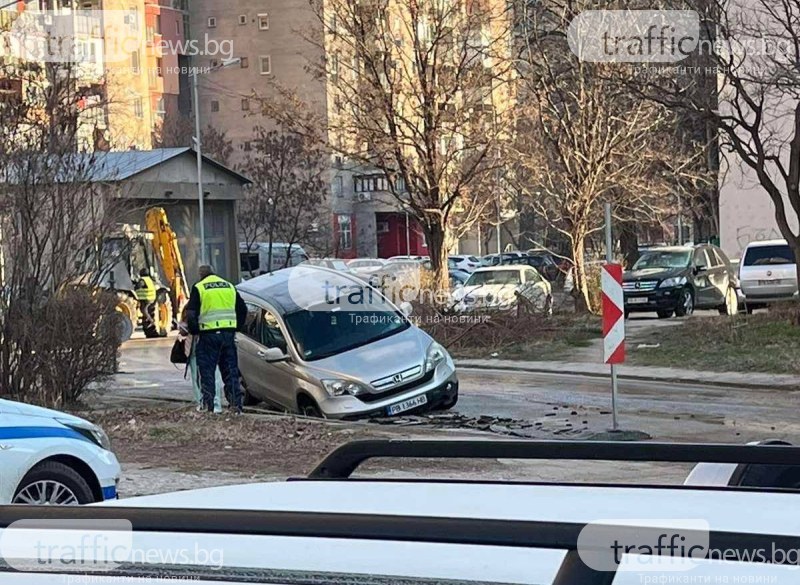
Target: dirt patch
[{"x": 185, "y": 440}]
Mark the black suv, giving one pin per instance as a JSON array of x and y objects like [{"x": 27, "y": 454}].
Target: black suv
[{"x": 676, "y": 280}]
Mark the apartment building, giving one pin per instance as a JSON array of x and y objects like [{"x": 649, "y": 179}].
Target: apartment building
[{"x": 279, "y": 43}]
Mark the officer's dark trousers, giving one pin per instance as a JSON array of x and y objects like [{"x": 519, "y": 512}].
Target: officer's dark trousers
[{"x": 217, "y": 348}]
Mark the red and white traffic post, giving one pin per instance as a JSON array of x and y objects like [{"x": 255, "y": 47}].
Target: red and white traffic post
[{"x": 613, "y": 316}]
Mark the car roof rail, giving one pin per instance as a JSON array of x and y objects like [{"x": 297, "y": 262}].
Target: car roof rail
[
  {"x": 343, "y": 461},
  {"x": 757, "y": 548}
]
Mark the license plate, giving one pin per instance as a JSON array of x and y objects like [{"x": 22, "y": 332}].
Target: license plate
[
  {"x": 407, "y": 405},
  {"x": 637, "y": 300},
  {"x": 769, "y": 282}
]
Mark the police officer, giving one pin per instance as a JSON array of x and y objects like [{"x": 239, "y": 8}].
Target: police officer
[
  {"x": 146, "y": 293},
  {"x": 215, "y": 311}
]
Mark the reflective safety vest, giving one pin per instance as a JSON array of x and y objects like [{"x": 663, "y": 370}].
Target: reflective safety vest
[
  {"x": 217, "y": 304},
  {"x": 147, "y": 292}
]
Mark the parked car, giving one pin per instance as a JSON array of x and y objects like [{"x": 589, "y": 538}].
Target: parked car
[
  {"x": 768, "y": 273},
  {"x": 542, "y": 262},
  {"x": 468, "y": 263},
  {"x": 498, "y": 259},
  {"x": 497, "y": 288},
  {"x": 411, "y": 257},
  {"x": 306, "y": 351},
  {"x": 332, "y": 263},
  {"x": 54, "y": 458},
  {"x": 677, "y": 280},
  {"x": 365, "y": 266},
  {"x": 430, "y": 531},
  {"x": 254, "y": 259}
]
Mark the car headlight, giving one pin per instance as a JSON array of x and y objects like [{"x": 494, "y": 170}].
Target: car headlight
[
  {"x": 344, "y": 387},
  {"x": 91, "y": 431},
  {"x": 673, "y": 282},
  {"x": 436, "y": 355}
]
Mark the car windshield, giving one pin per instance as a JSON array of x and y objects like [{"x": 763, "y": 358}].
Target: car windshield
[
  {"x": 769, "y": 256},
  {"x": 320, "y": 332},
  {"x": 494, "y": 277},
  {"x": 664, "y": 259}
]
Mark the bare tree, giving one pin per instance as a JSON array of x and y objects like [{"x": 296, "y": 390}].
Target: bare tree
[
  {"x": 55, "y": 338},
  {"x": 746, "y": 86},
  {"x": 422, "y": 93},
  {"x": 177, "y": 131},
  {"x": 289, "y": 189},
  {"x": 584, "y": 138}
]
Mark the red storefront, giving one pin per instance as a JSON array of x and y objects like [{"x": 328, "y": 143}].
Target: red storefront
[{"x": 399, "y": 235}]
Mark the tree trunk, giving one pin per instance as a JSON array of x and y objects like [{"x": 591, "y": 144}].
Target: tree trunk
[
  {"x": 629, "y": 243},
  {"x": 437, "y": 248},
  {"x": 581, "y": 288}
]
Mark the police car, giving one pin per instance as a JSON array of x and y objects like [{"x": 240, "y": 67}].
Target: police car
[{"x": 54, "y": 458}]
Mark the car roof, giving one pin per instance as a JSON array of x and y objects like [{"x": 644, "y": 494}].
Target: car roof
[
  {"x": 283, "y": 288},
  {"x": 673, "y": 248},
  {"x": 777, "y": 512},
  {"x": 765, "y": 243}
]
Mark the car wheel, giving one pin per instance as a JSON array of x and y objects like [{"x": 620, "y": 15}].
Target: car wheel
[
  {"x": 665, "y": 314},
  {"x": 54, "y": 484},
  {"x": 731, "y": 306},
  {"x": 686, "y": 306},
  {"x": 308, "y": 407}
]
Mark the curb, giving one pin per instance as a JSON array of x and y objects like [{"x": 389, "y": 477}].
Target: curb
[{"x": 632, "y": 377}]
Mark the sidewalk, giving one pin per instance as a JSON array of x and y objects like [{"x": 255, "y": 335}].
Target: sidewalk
[{"x": 678, "y": 375}]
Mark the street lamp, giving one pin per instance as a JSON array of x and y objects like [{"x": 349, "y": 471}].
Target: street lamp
[{"x": 195, "y": 73}]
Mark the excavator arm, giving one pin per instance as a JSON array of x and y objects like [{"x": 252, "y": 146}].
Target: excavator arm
[{"x": 168, "y": 254}]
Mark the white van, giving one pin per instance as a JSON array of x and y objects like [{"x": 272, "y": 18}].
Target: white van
[
  {"x": 254, "y": 258},
  {"x": 768, "y": 273}
]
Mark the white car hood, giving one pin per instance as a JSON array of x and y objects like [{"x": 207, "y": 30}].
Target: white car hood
[{"x": 37, "y": 411}]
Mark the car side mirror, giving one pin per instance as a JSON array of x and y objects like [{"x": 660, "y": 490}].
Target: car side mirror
[
  {"x": 406, "y": 308},
  {"x": 273, "y": 355},
  {"x": 700, "y": 269}
]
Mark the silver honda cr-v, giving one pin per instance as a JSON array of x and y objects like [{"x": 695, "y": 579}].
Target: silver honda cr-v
[{"x": 324, "y": 343}]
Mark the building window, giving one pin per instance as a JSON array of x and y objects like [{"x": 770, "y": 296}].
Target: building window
[
  {"x": 160, "y": 66},
  {"x": 214, "y": 106},
  {"x": 245, "y": 62},
  {"x": 161, "y": 109},
  {"x": 212, "y": 22},
  {"x": 345, "y": 232},
  {"x": 138, "y": 108},
  {"x": 266, "y": 64},
  {"x": 242, "y": 19},
  {"x": 245, "y": 105},
  {"x": 338, "y": 190},
  {"x": 370, "y": 183},
  {"x": 263, "y": 21},
  {"x": 135, "y": 65},
  {"x": 151, "y": 33},
  {"x": 158, "y": 24}
]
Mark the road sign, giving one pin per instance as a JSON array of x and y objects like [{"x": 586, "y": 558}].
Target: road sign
[{"x": 613, "y": 314}]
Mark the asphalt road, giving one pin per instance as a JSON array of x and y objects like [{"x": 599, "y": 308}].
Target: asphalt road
[{"x": 562, "y": 404}]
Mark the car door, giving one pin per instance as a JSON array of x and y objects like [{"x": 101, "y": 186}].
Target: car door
[
  {"x": 282, "y": 382},
  {"x": 703, "y": 295},
  {"x": 718, "y": 275},
  {"x": 253, "y": 368},
  {"x": 535, "y": 287}
]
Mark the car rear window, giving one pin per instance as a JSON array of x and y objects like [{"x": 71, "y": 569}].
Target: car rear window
[{"x": 769, "y": 255}]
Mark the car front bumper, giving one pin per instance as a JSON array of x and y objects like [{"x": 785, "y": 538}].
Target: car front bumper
[
  {"x": 441, "y": 388},
  {"x": 660, "y": 299}
]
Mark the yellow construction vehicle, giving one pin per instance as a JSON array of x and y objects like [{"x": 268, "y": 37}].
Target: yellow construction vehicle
[
  {"x": 168, "y": 255},
  {"x": 130, "y": 250}
]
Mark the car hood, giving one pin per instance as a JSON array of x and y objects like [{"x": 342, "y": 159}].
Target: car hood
[
  {"x": 654, "y": 273},
  {"x": 399, "y": 352},
  {"x": 482, "y": 290},
  {"x": 37, "y": 411}
]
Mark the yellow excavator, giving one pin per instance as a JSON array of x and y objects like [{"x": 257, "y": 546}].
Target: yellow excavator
[{"x": 126, "y": 253}]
